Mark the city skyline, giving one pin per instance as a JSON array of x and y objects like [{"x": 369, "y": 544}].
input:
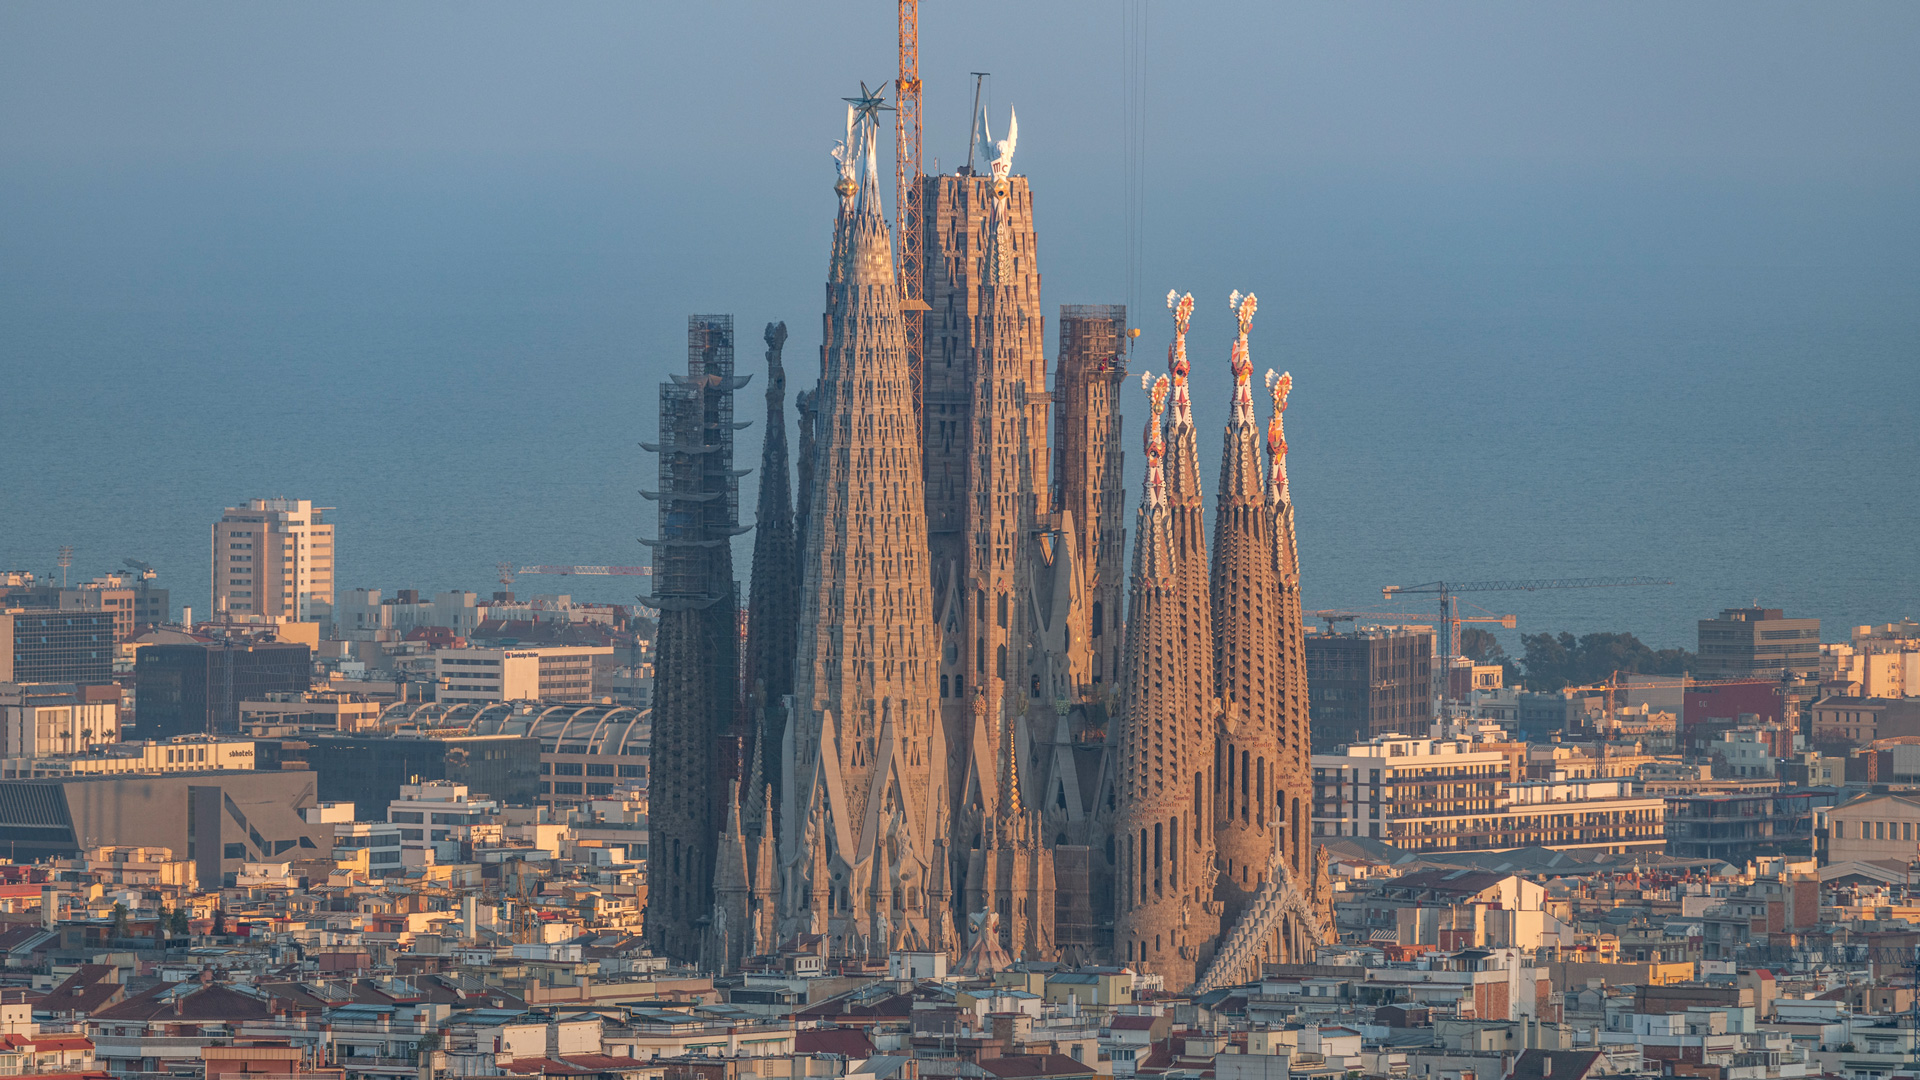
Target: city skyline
[{"x": 714, "y": 570}]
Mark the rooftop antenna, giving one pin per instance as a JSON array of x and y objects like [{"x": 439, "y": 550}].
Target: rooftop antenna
[
  {"x": 973, "y": 121},
  {"x": 65, "y": 560}
]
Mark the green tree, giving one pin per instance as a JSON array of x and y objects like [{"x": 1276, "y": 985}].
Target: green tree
[
  {"x": 120, "y": 920},
  {"x": 1482, "y": 647},
  {"x": 1554, "y": 662},
  {"x": 1549, "y": 660}
]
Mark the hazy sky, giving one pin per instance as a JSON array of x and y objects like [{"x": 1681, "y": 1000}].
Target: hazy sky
[
  {"x": 1713, "y": 87},
  {"x": 321, "y": 227},
  {"x": 695, "y": 135}
]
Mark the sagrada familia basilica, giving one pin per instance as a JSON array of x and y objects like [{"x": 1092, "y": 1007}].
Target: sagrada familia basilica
[{"x": 968, "y": 724}]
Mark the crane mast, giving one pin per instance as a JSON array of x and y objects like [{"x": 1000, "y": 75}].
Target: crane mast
[
  {"x": 1449, "y": 591},
  {"x": 906, "y": 204}
]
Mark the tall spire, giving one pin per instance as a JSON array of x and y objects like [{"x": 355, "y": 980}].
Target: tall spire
[
  {"x": 1281, "y": 387},
  {"x": 1183, "y": 470},
  {"x": 1009, "y": 871},
  {"x": 1165, "y": 917},
  {"x": 863, "y": 740},
  {"x": 1248, "y": 615},
  {"x": 1290, "y": 652},
  {"x": 773, "y": 601}
]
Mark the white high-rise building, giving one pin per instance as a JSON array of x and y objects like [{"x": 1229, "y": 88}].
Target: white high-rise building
[{"x": 273, "y": 557}]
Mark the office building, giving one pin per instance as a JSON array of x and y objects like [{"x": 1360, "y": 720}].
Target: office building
[
  {"x": 219, "y": 820},
  {"x": 41, "y": 645},
  {"x": 197, "y": 689},
  {"x": 367, "y": 615},
  {"x": 191, "y": 753},
  {"x": 1456, "y": 795},
  {"x": 129, "y": 598},
  {"x": 273, "y": 557},
  {"x": 553, "y": 673},
  {"x": 40, "y": 720},
  {"x": 370, "y": 769},
  {"x": 1758, "y": 642},
  {"x": 1371, "y": 681}
]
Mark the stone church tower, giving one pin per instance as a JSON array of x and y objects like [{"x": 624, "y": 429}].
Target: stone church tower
[
  {"x": 958, "y": 742},
  {"x": 1166, "y": 918},
  {"x": 861, "y": 852},
  {"x": 1010, "y": 869}
]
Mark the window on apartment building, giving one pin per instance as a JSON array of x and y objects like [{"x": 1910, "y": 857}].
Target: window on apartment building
[
  {"x": 413, "y": 834},
  {"x": 636, "y": 772},
  {"x": 407, "y": 817},
  {"x": 599, "y": 770},
  {"x": 566, "y": 768},
  {"x": 599, "y": 789},
  {"x": 565, "y": 788}
]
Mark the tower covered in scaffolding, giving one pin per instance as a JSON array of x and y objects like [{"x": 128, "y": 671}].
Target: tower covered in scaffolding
[{"x": 698, "y": 503}]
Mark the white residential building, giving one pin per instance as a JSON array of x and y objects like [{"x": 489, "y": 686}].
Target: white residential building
[
  {"x": 434, "y": 819},
  {"x": 273, "y": 557}
]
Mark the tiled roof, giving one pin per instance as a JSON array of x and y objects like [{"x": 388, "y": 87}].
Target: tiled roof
[
  {"x": 846, "y": 1042},
  {"x": 183, "y": 1001},
  {"x": 1019, "y": 1066}
]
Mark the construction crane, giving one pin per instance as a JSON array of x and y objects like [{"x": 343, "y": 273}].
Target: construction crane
[
  {"x": 1449, "y": 591},
  {"x": 587, "y": 571},
  {"x": 1331, "y": 617},
  {"x": 906, "y": 197}
]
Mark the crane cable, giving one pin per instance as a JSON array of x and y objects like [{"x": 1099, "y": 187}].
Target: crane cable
[{"x": 1133, "y": 66}]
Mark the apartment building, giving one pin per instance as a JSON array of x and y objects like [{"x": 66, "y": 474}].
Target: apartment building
[
  {"x": 434, "y": 818},
  {"x": 536, "y": 673},
  {"x": 1374, "y": 680},
  {"x": 46, "y": 719},
  {"x": 1870, "y": 827},
  {"x": 1454, "y": 794},
  {"x": 1857, "y": 721},
  {"x": 273, "y": 557}
]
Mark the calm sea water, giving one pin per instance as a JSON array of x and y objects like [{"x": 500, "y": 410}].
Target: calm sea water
[{"x": 1500, "y": 392}]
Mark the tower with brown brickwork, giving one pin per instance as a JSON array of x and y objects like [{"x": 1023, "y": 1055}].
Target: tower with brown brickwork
[
  {"x": 864, "y": 792},
  {"x": 1089, "y": 460},
  {"x": 1247, "y": 660},
  {"x": 1010, "y": 864},
  {"x": 1166, "y": 919},
  {"x": 984, "y": 413}
]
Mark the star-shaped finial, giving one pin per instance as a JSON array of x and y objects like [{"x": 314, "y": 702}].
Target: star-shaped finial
[{"x": 867, "y": 103}]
